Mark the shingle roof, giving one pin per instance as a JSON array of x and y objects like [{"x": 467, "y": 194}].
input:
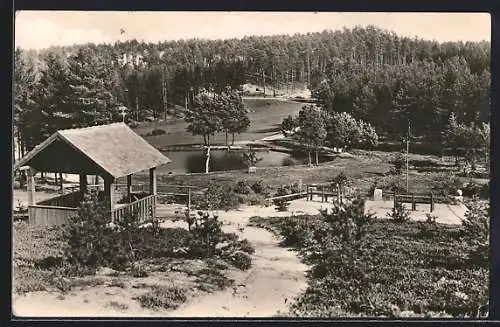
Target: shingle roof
[{"x": 115, "y": 148}]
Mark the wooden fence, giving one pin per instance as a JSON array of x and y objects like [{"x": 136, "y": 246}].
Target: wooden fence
[
  {"x": 323, "y": 190},
  {"x": 45, "y": 215},
  {"x": 415, "y": 199},
  {"x": 144, "y": 207}
]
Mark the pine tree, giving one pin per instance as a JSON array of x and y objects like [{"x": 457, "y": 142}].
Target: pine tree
[{"x": 91, "y": 83}]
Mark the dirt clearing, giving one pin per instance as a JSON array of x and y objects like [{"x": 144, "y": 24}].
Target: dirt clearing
[{"x": 266, "y": 289}]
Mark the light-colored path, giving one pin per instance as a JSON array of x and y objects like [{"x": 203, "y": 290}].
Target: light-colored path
[
  {"x": 445, "y": 213},
  {"x": 276, "y": 276}
]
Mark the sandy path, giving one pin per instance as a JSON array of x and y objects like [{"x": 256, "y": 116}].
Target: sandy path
[{"x": 276, "y": 276}]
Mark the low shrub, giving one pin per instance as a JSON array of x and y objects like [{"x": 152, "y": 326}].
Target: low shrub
[
  {"x": 446, "y": 184},
  {"x": 207, "y": 234},
  {"x": 245, "y": 246},
  {"x": 476, "y": 231},
  {"x": 242, "y": 187},
  {"x": 117, "y": 305},
  {"x": 255, "y": 199},
  {"x": 157, "y": 131},
  {"x": 259, "y": 187},
  {"x": 212, "y": 279},
  {"x": 241, "y": 260},
  {"x": 362, "y": 267},
  {"x": 139, "y": 271},
  {"x": 399, "y": 214},
  {"x": 473, "y": 189},
  {"x": 389, "y": 183},
  {"x": 31, "y": 280},
  {"x": 133, "y": 124},
  {"x": 428, "y": 228},
  {"x": 424, "y": 163},
  {"x": 90, "y": 242},
  {"x": 163, "y": 297},
  {"x": 282, "y": 204},
  {"x": 218, "y": 197},
  {"x": 295, "y": 232}
]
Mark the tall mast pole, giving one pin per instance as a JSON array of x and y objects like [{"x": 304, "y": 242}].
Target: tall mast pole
[{"x": 407, "y": 155}]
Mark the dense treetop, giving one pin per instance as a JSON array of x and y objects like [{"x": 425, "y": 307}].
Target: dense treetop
[{"x": 372, "y": 74}]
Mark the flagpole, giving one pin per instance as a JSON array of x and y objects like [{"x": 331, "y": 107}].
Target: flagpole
[{"x": 407, "y": 155}]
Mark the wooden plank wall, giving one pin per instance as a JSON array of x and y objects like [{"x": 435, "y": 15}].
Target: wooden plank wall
[{"x": 49, "y": 215}]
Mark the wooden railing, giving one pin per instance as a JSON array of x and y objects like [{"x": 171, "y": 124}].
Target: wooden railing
[
  {"x": 145, "y": 209},
  {"x": 66, "y": 200}
]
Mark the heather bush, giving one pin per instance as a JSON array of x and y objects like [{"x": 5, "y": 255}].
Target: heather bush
[
  {"x": 208, "y": 240},
  {"x": 93, "y": 243},
  {"x": 473, "y": 189},
  {"x": 389, "y": 183},
  {"x": 259, "y": 187},
  {"x": 399, "y": 214},
  {"x": 243, "y": 187},
  {"x": 207, "y": 234},
  {"x": 281, "y": 204},
  {"x": 476, "y": 231},
  {"x": 362, "y": 267},
  {"x": 163, "y": 298},
  {"x": 240, "y": 260},
  {"x": 446, "y": 184},
  {"x": 218, "y": 197}
]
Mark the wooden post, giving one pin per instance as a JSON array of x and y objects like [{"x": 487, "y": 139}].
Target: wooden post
[
  {"x": 61, "y": 183},
  {"x": 307, "y": 192},
  {"x": 395, "y": 201},
  {"x": 152, "y": 181},
  {"x": 413, "y": 204},
  {"x": 339, "y": 200},
  {"x": 152, "y": 187},
  {"x": 108, "y": 193},
  {"x": 322, "y": 193},
  {"x": 189, "y": 203},
  {"x": 31, "y": 186},
  {"x": 432, "y": 202},
  {"x": 83, "y": 185},
  {"x": 129, "y": 185}
]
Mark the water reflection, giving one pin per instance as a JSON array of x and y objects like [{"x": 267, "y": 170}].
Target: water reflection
[{"x": 194, "y": 161}]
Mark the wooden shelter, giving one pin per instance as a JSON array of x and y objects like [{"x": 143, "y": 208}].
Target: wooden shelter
[{"x": 108, "y": 151}]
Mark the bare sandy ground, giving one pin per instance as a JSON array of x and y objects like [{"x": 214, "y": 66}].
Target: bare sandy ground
[
  {"x": 445, "y": 213},
  {"x": 276, "y": 277},
  {"x": 265, "y": 290}
]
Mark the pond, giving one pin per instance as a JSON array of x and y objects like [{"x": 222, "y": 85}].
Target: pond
[{"x": 194, "y": 161}]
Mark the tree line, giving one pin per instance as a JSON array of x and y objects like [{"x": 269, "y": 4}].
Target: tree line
[
  {"x": 372, "y": 74},
  {"x": 316, "y": 128}
]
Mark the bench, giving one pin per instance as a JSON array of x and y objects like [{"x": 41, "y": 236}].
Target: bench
[{"x": 414, "y": 199}]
